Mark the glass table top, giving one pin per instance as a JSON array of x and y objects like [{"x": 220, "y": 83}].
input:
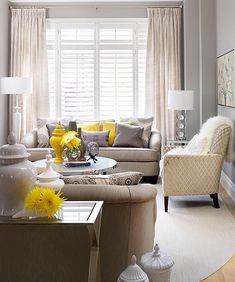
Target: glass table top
[
  {"x": 71, "y": 212},
  {"x": 101, "y": 165}
]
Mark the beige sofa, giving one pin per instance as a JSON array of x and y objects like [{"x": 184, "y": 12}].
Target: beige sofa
[
  {"x": 127, "y": 226},
  {"x": 145, "y": 160}
]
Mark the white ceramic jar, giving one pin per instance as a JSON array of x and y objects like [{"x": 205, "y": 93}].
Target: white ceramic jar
[
  {"x": 157, "y": 265},
  {"x": 17, "y": 176},
  {"x": 50, "y": 178},
  {"x": 133, "y": 273}
]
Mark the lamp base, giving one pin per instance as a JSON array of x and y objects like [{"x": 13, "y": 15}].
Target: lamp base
[
  {"x": 180, "y": 125},
  {"x": 16, "y": 124}
]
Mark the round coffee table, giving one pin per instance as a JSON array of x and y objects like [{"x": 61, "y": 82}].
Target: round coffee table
[{"x": 101, "y": 166}]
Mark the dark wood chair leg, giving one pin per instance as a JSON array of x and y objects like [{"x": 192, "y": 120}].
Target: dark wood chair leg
[
  {"x": 215, "y": 200},
  {"x": 166, "y": 203}
]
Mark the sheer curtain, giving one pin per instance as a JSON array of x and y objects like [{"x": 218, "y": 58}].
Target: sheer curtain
[
  {"x": 163, "y": 68},
  {"x": 29, "y": 58}
]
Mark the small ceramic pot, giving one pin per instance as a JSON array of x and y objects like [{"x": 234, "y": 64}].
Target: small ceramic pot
[
  {"x": 17, "y": 176},
  {"x": 50, "y": 178}
]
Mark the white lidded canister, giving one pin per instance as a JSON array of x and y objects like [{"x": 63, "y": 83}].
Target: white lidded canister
[
  {"x": 157, "y": 265},
  {"x": 133, "y": 273},
  {"x": 50, "y": 178}
]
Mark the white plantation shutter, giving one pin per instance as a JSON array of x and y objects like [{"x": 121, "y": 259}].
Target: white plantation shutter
[
  {"x": 96, "y": 70},
  {"x": 116, "y": 70},
  {"x": 77, "y": 71}
]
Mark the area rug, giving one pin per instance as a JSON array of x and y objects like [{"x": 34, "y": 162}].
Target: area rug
[{"x": 199, "y": 237}]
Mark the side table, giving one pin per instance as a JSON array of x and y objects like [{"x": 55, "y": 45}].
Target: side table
[
  {"x": 56, "y": 250},
  {"x": 171, "y": 144},
  {"x": 177, "y": 142}
]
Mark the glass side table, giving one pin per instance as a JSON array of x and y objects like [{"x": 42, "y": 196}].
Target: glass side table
[{"x": 55, "y": 250}]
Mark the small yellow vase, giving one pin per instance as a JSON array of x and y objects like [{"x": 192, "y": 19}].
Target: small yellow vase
[{"x": 55, "y": 140}]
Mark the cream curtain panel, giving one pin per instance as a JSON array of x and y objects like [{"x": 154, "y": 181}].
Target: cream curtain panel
[
  {"x": 163, "y": 68},
  {"x": 29, "y": 58}
]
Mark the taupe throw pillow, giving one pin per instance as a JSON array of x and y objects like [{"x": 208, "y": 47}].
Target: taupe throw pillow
[
  {"x": 128, "y": 136},
  {"x": 146, "y": 123}
]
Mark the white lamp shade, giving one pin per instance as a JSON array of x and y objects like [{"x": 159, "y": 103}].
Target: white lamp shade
[
  {"x": 180, "y": 100},
  {"x": 16, "y": 85}
]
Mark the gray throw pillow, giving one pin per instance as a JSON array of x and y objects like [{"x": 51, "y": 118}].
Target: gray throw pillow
[
  {"x": 122, "y": 178},
  {"x": 100, "y": 137},
  {"x": 128, "y": 136},
  {"x": 146, "y": 123}
]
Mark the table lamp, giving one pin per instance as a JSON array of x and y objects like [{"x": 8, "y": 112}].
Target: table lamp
[
  {"x": 16, "y": 86},
  {"x": 180, "y": 100}
]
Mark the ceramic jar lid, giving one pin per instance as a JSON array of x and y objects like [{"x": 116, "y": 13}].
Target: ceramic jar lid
[
  {"x": 156, "y": 260},
  {"x": 133, "y": 273},
  {"x": 12, "y": 150},
  {"x": 49, "y": 174}
]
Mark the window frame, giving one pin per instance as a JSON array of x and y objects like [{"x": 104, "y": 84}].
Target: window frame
[{"x": 58, "y": 23}]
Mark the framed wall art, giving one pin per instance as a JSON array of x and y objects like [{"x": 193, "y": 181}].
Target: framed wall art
[{"x": 226, "y": 79}]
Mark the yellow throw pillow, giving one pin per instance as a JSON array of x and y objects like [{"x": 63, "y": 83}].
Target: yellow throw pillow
[
  {"x": 111, "y": 126},
  {"x": 89, "y": 126}
]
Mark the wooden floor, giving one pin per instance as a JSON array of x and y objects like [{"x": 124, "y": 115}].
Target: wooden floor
[{"x": 227, "y": 272}]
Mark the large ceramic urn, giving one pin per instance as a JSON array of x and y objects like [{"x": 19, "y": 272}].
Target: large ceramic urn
[
  {"x": 17, "y": 176},
  {"x": 157, "y": 265}
]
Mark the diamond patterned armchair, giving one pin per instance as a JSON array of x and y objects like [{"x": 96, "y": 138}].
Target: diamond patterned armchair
[{"x": 197, "y": 174}]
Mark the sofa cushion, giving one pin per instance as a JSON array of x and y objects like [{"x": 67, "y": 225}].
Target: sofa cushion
[
  {"x": 125, "y": 154},
  {"x": 100, "y": 137},
  {"x": 123, "y": 178},
  {"x": 146, "y": 123},
  {"x": 128, "y": 136}
]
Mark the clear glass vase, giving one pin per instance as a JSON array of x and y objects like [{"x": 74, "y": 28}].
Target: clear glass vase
[{"x": 73, "y": 154}]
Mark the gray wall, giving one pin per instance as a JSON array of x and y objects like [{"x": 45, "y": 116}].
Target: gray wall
[
  {"x": 4, "y": 28},
  {"x": 199, "y": 60},
  {"x": 225, "y": 42}
]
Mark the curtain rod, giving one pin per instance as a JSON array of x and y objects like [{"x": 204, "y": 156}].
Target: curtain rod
[{"x": 96, "y": 6}]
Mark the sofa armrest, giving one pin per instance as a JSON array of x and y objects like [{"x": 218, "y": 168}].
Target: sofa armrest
[
  {"x": 30, "y": 139},
  {"x": 155, "y": 141}
]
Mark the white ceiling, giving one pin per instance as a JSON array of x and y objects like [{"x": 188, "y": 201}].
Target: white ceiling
[{"x": 86, "y": 1}]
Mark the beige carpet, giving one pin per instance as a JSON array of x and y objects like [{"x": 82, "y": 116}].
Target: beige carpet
[{"x": 199, "y": 237}]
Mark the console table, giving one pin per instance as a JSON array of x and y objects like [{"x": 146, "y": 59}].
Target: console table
[{"x": 57, "y": 250}]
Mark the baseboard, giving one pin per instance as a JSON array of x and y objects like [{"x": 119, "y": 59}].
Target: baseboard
[{"x": 228, "y": 185}]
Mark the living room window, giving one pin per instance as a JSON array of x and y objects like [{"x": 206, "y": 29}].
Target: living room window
[{"x": 96, "y": 68}]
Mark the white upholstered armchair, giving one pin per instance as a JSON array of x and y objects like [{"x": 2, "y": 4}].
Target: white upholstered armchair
[{"x": 196, "y": 169}]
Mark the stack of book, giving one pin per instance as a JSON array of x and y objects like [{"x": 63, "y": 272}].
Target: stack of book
[{"x": 77, "y": 163}]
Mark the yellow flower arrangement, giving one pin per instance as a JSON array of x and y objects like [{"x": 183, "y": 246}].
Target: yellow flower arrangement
[
  {"x": 43, "y": 201},
  {"x": 70, "y": 140}
]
